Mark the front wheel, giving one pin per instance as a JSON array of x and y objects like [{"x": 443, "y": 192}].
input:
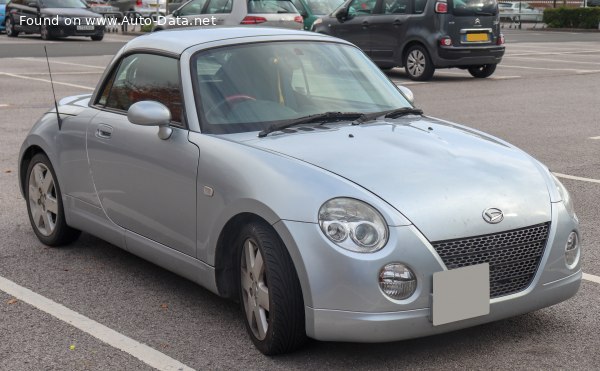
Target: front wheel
[
  {"x": 44, "y": 204},
  {"x": 270, "y": 293},
  {"x": 417, "y": 64},
  {"x": 97, "y": 37},
  {"x": 481, "y": 72},
  {"x": 46, "y": 33},
  {"x": 10, "y": 28}
]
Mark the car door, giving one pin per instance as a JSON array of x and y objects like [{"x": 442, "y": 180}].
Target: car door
[
  {"x": 388, "y": 29},
  {"x": 356, "y": 27},
  {"x": 145, "y": 184}
]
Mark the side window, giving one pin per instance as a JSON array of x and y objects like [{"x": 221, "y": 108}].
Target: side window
[
  {"x": 361, "y": 7},
  {"x": 144, "y": 77},
  {"x": 420, "y": 6},
  {"x": 300, "y": 7},
  {"x": 219, "y": 6},
  {"x": 395, "y": 6},
  {"x": 194, "y": 7}
]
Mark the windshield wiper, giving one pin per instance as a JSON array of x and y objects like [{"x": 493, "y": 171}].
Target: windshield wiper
[
  {"x": 320, "y": 117},
  {"x": 403, "y": 112}
]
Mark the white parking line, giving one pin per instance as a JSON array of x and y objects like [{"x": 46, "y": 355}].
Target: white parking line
[
  {"x": 3, "y": 105},
  {"x": 44, "y": 80},
  {"x": 549, "y": 60},
  {"x": 144, "y": 353},
  {"x": 590, "y": 180},
  {"x": 548, "y": 69},
  {"x": 594, "y": 137},
  {"x": 52, "y": 61},
  {"x": 591, "y": 277},
  {"x": 59, "y": 73}
]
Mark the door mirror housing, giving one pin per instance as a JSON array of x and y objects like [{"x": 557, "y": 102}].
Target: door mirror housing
[
  {"x": 408, "y": 94},
  {"x": 343, "y": 14},
  {"x": 151, "y": 113}
]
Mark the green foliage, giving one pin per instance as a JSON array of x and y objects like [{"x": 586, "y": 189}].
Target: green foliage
[
  {"x": 572, "y": 17},
  {"x": 146, "y": 28}
]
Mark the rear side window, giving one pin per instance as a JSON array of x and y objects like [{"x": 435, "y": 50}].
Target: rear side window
[
  {"x": 194, "y": 7},
  {"x": 420, "y": 6},
  {"x": 395, "y": 6},
  {"x": 361, "y": 7},
  {"x": 473, "y": 7},
  {"x": 144, "y": 77},
  {"x": 219, "y": 6},
  {"x": 270, "y": 7}
]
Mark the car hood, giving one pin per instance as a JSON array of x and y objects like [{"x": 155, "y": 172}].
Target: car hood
[
  {"x": 439, "y": 175},
  {"x": 69, "y": 12}
]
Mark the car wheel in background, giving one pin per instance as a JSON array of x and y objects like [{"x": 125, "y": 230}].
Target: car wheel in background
[
  {"x": 45, "y": 32},
  {"x": 98, "y": 37},
  {"x": 482, "y": 72},
  {"x": 417, "y": 64},
  {"x": 10, "y": 28},
  {"x": 270, "y": 293},
  {"x": 44, "y": 204}
]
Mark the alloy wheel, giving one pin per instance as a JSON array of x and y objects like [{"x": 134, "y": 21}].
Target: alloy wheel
[
  {"x": 255, "y": 292},
  {"x": 9, "y": 26},
  {"x": 416, "y": 63},
  {"x": 42, "y": 199}
]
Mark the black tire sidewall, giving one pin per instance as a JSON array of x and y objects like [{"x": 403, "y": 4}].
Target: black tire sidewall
[
  {"x": 429, "y": 69},
  {"x": 10, "y": 21},
  {"x": 488, "y": 70},
  {"x": 62, "y": 233}
]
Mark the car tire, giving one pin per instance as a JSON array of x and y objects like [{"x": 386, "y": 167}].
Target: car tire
[
  {"x": 97, "y": 37},
  {"x": 417, "y": 64},
  {"x": 10, "y": 28},
  {"x": 44, "y": 204},
  {"x": 270, "y": 293},
  {"x": 481, "y": 72},
  {"x": 45, "y": 32}
]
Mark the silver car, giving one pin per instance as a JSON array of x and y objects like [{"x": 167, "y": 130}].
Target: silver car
[
  {"x": 210, "y": 13},
  {"x": 284, "y": 170}
]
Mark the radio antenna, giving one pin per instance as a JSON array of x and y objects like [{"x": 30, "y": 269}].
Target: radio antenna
[{"x": 53, "y": 93}]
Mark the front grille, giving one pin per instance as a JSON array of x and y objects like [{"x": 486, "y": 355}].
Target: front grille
[{"x": 514, "y": 256}]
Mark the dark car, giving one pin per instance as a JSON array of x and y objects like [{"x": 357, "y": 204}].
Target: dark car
[
  {"x": 421, "y": 35},
  {"x": 53, "y": 18}
]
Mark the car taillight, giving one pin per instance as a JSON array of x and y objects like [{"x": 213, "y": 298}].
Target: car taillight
[
  {"x": 253, "y": 20},
  {"x": 445, "y": 41},
  {"x": 138, "y": 3},
  {"x": 298, "y": 19},
  {"x": 441, "y": 7},
  {"x": 500, "y": 40}
]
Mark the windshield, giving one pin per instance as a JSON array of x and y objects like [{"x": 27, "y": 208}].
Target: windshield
[
  {"x": 473, "y": 7},
  {"x": 270, "y": 7},
  {"x": 63, "y": 4},
  {"x": 249, "y": 87},
  {"x": 323, "y": 7}
]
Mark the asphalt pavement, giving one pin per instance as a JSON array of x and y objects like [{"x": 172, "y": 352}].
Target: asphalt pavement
[{"x": 544, "y": 98}]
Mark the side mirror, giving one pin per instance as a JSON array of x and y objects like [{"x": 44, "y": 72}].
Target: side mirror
[
  {"x": 342, "y": 14},
  {"x": 151, "y": 113},
  {"x": 408, "y": 94}
]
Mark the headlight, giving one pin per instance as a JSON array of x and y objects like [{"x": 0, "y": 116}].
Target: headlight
[
  {"x": 564, "y": 195},
  {"x": 353, "y": 225},
  {"x": 397, "y": 281},
  {"x": 572, "y": 250}
]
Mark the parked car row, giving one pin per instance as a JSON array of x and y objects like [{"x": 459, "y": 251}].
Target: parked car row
[{"x": 519, "y": 12}]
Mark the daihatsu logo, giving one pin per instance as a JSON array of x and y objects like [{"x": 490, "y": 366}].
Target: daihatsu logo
[
  {"x": 477, "y": 21},
  {"x": 493, "y": 215}
]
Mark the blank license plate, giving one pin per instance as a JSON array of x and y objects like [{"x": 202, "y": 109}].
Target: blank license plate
[
  {"x": 85, "y": 28},
  {"x": 461, "y": 293},
  {"x": 476, "y": 37}
]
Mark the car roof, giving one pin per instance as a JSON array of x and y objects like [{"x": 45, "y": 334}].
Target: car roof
[{"x": 175, "y": 41}]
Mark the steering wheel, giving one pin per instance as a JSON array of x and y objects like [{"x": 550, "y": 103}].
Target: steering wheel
[{"x": 229, "y": 101}]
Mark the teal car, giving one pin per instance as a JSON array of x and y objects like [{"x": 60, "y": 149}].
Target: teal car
[
  {"x": 2, "y": 13},
  {"x": 313, "y": 9}
]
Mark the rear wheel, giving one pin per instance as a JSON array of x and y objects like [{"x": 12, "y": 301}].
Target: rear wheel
[
  {"x": 270, "y": 293},
  {"x": 44, "y": 204},
  {"x": 483, "y": 71},
  {"x": 10, "y": 28},
  {"x": 98, "y": 37},
  {"x": 417, "y": 64}
]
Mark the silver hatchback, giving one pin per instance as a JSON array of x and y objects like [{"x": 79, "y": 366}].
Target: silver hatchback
[{"x": 210, "y": 13}]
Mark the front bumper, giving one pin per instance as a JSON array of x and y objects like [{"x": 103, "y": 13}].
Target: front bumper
[
  {"x": 456, "y": 56},
  {"x": 343, "y": 301}
]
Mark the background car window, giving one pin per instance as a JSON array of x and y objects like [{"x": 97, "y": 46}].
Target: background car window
[
  {"x": 270, "y": 7},
  {"x": 194, "y": 7},
  {"x": 63, "y": 4},
  {"x": 395, "y": 6},
  {"x": 473, "y": 7},
  {"x": 219, "y": 6},
  {"x": 324, "y": 7},
  {"x": 419, "y": 6},
  {"x": 361, "y": 7},
  {"x": 301, "y": 9},
  {"x": 144, "y": 77}
]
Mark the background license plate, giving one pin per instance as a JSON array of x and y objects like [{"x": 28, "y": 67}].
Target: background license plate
[
  {"x": 85, "y": 28},
  {"x": 461, "y": 293},
  {"x": 477, "y": 37}
]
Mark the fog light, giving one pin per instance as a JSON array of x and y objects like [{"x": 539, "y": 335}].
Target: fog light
[
  {"x": 572, "y": 250},
  {"x": 397, "y": 281}
]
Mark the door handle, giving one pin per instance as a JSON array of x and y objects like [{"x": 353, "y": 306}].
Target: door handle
[
  {"x": 365, "y": 24},
  {"x": 104, "y": 131},
  {"x": 397, "y": 22}
]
